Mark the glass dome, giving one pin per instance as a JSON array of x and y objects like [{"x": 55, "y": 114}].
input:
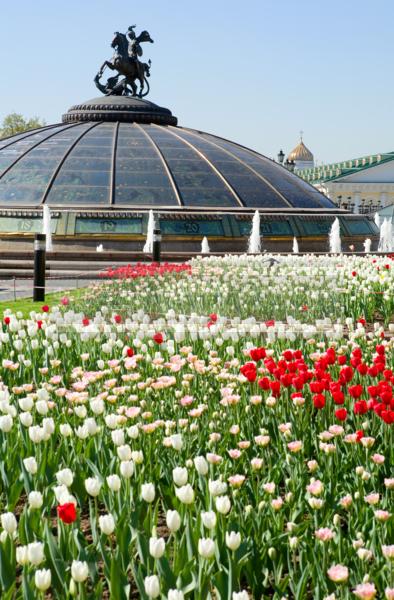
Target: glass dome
[{"x": 138, "y": 165}]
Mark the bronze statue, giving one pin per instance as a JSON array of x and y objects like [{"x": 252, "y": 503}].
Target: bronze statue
[{"x": 126, "y": 61}]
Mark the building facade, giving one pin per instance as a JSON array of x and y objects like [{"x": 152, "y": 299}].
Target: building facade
[{"x": 362, "y": 185}]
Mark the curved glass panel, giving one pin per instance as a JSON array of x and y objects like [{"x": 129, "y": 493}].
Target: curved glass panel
[
  {"x": 140, "y": 174},
  {"x": 24, "y": 143},
  {"x": 296, "y": 191},
  {"x": 85, "y": 175},
  {"x": 25, "y": 134},
  {"x": 31, "y": 174},
  {"x": 252, "y": 190},
  {"x": 191, "y": 171}
]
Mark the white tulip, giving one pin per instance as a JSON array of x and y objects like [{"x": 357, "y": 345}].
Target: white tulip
[
  {"x": 233, "y": 540},
  {"x": 240, "y": 595},
  {"x": 6, "y": 423},
  {"x": 8, "y": 522},
  {"x": 124, "y": 452},
  {"x": 26, "y": 404},
  {"x": 206, "y": 547},
  {"x": 97, "y": 406},
  {"x": 148, "y": 492},
  {"x": 118, "y": 437},
  {"x": 113, "y": 482},
  {"x": 35, "y": 500},
  {"x": 112, "y": 421},
  {"x": 133, "y": 432},
  {"x": 26, "y": 419},
  {"x": 91, "y": 426},
  {"x": 201, "y": 465},
  {"x": 127, "y": 468},
  {"x": 179, "y": 475},
  {"x": 42, "y": 579},
  {"x": 48, "y": 425},
  {"x": 93, "y": 486},
  {"x": 35, "y": 553},
  {"x": 80, "y": 411},
  {"x": 61, "y": 493},
  {"x": 79, "y": 570},
  {"x": 82, "y": 432},
  {"x": 42, "y": 407},
  {"x": 176, "y": 441},
  {"x": 152, "y": 586},
  {"x": 65, "y": 477},
  {"x": 223, "y": 504},
  {"x": 175, "y": 595},
  {"x": 107, "y": 524},
  {"x": 42, "y": 394},
  {"x": 209, "y": 519},
  {"x": 157, "y": 547},
  {"x": 217, "y": 487},
  {"x": 30, "y": 465},
  {"x": 65, "y": 430},
  {"x": 173, "y": 520},
  {"x": 137, "y": 457},
  {"x": 21, "y": 555},
  {"x": 185, "y": 494}
]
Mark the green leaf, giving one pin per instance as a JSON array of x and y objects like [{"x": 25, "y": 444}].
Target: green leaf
[
  {"x": 27, "y": 587},
  {"x": 140, "y": 583},
  {"x": 222, "y": 583},
  {"x": 165, "y": 572},
  {"x": 301, "y": 585},
  {"x": 142, "y": 547},
  {"x": 7, "y": 564},
  {"x": 55, "y": 560},
  {"x": 118, "y": 582}
]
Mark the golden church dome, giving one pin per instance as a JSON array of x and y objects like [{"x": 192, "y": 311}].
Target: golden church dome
[{"x": 301, "y": 153}]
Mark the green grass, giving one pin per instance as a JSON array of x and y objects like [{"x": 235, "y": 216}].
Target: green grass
[{"x": 26, "y": 305}]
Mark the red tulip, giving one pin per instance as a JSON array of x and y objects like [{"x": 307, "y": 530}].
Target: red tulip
[
  {"x": 158, "y": 338},
  {"x": 67, "y": 512},
  {"x": 341, "y": 414},
  {"x": 319, "y": 401},
  {"x": 360, "y": 407}
]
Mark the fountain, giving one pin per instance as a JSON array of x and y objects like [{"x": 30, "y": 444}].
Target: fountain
[
  {"x": 295, "y": 246},
  {"x": 254, "y": 246},
  {"x": 148, "y": 247},
  {"x": 205, "y": 246},
  {"x": 46, "y": 227},
  {"x": 386, "y": 236},
  {"x": 367, "y": 246},
  {"x": 377, "y": 220},
  {"x": 335, "y": 238},
  {"x": 100, "y": 248}
]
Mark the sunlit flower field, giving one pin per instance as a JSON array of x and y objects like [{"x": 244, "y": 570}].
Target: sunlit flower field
[{"x": 221, "y": 429}]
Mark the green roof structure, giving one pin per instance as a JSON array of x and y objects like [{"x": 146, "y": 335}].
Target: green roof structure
[{"x": 337, "y": 170}]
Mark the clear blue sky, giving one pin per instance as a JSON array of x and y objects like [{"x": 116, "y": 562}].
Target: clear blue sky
[{"x": 254, "y": 71}]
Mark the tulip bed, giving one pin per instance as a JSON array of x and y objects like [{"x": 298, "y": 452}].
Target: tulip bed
[{"x": 221, "y": 430}]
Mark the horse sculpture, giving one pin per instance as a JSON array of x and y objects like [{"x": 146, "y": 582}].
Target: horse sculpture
[{"x": 126, "y": 62}]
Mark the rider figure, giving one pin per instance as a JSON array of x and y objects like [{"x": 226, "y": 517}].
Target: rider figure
[{"x": 134, "y": 49}]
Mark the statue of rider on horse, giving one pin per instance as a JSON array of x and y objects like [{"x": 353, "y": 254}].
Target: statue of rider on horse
[{"x": 126, "y": 62}]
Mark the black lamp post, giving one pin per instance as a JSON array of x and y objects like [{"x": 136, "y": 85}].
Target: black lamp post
[{"x": 281, "y": 157}]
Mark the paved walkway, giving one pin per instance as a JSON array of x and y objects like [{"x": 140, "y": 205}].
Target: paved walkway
[{"x": 23, "y": 288}]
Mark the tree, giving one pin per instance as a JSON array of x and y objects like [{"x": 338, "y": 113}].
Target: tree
[{"x": 15, "y": 123}]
